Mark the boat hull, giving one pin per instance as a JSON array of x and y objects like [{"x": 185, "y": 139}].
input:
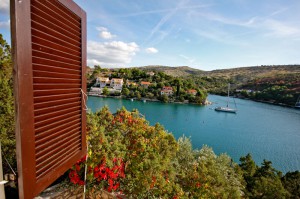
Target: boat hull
[{"x": 225, "y": 109}]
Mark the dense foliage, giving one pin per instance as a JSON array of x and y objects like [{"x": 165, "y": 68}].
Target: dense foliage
[
  {"x": 7, "y": 114},
  {"x": 158, "y": 80},
  {"x": 127, "y": 154}
]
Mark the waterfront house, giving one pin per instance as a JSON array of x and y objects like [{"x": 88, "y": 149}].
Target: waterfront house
[
  {"x": 192, "y": 92},
  {"x": 167, "y": 90},
  {"x": 116, "y": 83},
  {"x": 150, "y": 73},
  {"x": 145, "y": 84},
  {"x": 128, "y": 83},
  {"x": 102, "y": 81}
]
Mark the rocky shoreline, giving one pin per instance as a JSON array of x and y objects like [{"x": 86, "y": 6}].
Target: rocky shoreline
[{"x": 146, "y": 99}]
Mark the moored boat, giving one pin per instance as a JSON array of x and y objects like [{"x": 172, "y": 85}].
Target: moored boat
[{"x": 226, "y": 109}]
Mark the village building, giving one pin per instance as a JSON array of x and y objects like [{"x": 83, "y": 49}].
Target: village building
[
  {"x": 150, "y": 73},
  {"x": 145, "y": 84},
  {"x": 192, "y": 92},
  {"x": 102, "y": 82},
  {"x": 128, "y": 83},
  {"x": 116, "y": 83},
  {"x": 167, "y": 90}
]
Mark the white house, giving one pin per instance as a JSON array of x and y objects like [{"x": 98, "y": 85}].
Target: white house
[
  {"x": 116, "y": 83},
  {"x": 102, "y": 81},
  {"x": 167, "y": 90}
]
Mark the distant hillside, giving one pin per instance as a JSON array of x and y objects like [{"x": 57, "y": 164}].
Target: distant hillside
[
  {"x": 239, "y": 75},
  {"x": 180, "y": 71},
  {"x": 277, "y": 84}
]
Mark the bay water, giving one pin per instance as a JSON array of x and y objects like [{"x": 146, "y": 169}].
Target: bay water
[{"x": 264, "y": 130}]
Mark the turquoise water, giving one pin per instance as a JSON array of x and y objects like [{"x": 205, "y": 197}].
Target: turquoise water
[{"x": 266, "y": 131}]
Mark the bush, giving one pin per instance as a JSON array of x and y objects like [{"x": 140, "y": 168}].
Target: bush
[{"x": 126, "y": 154}]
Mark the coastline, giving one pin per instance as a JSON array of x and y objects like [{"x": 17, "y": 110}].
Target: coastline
[{"x": 146, "y": 99}]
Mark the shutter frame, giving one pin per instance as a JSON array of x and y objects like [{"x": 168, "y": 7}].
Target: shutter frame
[{"x": 25, "y": 91}]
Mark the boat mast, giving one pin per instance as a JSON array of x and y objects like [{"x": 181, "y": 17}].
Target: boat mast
[{"x": 228, "y": 95}]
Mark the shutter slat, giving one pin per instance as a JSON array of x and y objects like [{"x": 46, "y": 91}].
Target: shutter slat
[
  {"x": 39, "y": 18},
  {"x": 55, "y": 80},
  {"x": 43, "y": 93},
  {"x": 53, "y": 51},
  {"x": 51, "y": 133},
  {"x": 54, "y": 155},
  {"x": 55, "y": 102},
  {"x": 56, "y": 125},
  {"x": 43, "y": 140},
  {"x": 46, "y": 98},
  {"x": 65, "y": 60},
  {"x": 43, "y": 5},
  {"x": 56, "y": 108},
  {"x": 38, "y": 73},
  {"x": 43, "y": 38},
  {"x": 57, "y": 147},
  {"x": 55, "y": 86},
  {"x": 56, "y": 119},
  {"x": 63, "y": 158},
  {"x": 56, "y": 69},
  {"x": 54, "y": 33}
]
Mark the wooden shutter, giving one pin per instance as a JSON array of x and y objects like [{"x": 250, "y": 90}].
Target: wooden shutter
[{"x": 49, "y": 51}]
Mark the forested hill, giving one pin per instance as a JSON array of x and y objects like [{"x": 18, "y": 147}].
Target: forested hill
[
  {"x": 277, "y": 84},
  {"x": 240, "y": 74}
]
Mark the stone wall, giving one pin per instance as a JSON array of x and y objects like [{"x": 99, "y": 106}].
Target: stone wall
[{"x": 56, "y": 192}]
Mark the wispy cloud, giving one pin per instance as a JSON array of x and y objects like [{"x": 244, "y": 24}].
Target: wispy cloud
[
  {"x": 113, "y": 53},
  {"x": 190, "y": 60},
  {"x": 182, "y": 5},
  {"x": 4, "y": 24},
  {"x": 4, "y": 7},
  {"x": 280, "y": 29},
  {"x": 151, "y": 50},
  {"x": 147, "y": 12},
  {"x": 104, "y": 33}
]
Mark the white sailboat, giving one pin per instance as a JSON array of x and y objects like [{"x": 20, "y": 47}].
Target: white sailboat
[
  {"x": 227, "y": 108},
  {"x": 297, "y": 105}
]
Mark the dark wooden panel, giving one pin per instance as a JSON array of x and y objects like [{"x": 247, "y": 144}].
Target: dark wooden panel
[
  {"x": 49, "y": 43},
  {"x": 55, "y": 137},
  {"x": 53, "y": 51},
  {"x": 52, "y": 133},
  {"x": 40, "y": 19},
  {"x": 46, "y": 168},
  {"x": 65, "y": 60},
  {"x": 55, "y": 67},
  {"x": 56, "y": 108},
  {"x": 43, "y": 5},
  {"x": 55, "y": 102},
  {"x": 42, "y": 11},
  {"x": 53, "y": 33},
  {"x": 55, "y": 40},
  {"x": 38, "y": 73}
]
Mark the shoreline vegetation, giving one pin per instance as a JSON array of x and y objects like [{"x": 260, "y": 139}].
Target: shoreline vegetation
[
  {"x": 144, "y": 99},
  {"x": 277, "y": 85},
  {"x": 151, "y": 163}
]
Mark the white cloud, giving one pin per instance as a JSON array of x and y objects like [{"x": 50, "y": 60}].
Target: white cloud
[
  {"x": 151, "y": 50},
  {"x": 113, "y": 53},
  {"x": 280, "y": 29},
  {"x": 4, "y": 6},
  {"x": 104, "y": 33},
  {"x": 4, "y": 24}
]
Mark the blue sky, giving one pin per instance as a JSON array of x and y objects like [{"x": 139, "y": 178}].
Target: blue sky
[{"x": 203, "y": 34}]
